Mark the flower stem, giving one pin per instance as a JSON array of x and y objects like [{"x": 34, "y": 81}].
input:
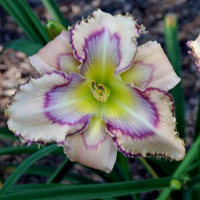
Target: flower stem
[
  {"x": 182, "y": 168},
  {"x": 148, "y": 167}
]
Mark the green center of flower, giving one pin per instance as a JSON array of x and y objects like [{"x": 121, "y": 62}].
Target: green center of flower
[{"x": 99, "y": 91}]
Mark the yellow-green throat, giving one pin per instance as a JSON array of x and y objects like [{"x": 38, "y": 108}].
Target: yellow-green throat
[{"x": 99, "y": 91}]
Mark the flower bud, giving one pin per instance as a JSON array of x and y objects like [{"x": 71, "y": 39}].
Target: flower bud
[
  {"x": 175, "y": 184},
  {"x": 53, "y": 29}
]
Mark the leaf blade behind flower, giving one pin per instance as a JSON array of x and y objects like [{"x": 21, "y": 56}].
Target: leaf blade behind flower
[
  {"x": 90, "y": 191},
  {"x": 25, "y": 165},
  {"x": 173, "y": 51},
  {"x": 26, "y": 19},
  {"x": 6, "y": 134},
  {"x": 54, "y": 11},
  {"x": 25, "y": 46}
]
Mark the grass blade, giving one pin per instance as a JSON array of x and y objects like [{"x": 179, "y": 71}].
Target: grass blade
[
  {"x": 60, "y": 172},
  {"x": 25, "y": 165},
  {"x": 34, "y": 148},
  {"x": 54, "y": 11},
  {"x": 33, "y": 20},
  {"x": 183, "y": 167},
  {"x": 18, "y": 188},
  {"x": 25, "y": 149},
  {"x": 19, "y": 18},
  {"x": 40, "y": 170},
  {"x": 6, "y": 134},
  {"x": 26, "y": 19},
  {"x": 46, "y": 171},
  {"x": 26, "y": 46},
  {"x": 123, "y": 162},
  {"x": 90, "y": 191},
  {"x": 172, "y": 47}
]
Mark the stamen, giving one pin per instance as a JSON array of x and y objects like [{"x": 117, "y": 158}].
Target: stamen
[{"x": 99, "y": 91}]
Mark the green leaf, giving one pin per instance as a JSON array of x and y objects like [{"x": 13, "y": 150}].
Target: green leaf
[
  {"x": 58, "y": 175},
  {"x": 26, "y": 46},
  {"x": 25, "y": 165},
  {"x": 18, "y": 188},
  {"x": 6, "y": 134},
  {"x": 193, "y": 182},
  {"x": 33, "y": 20},
  {"x": 184, "y": 166},
  {"x": 41, "y": 170},
  {"x": 162, "y": 167},
  {"x": 123, "y": 162},
  {"x": 26, "y": 19},
  {"x": 19, "y": 18},
  {"x": 90, "y": 191},
  {"x": 197, "y": 187},
  {"x": 173, "y": 52},
  {"x": 111, "y": 177},
  {"x": 34, "y": 148},
  {"x": 47, "y": 171},
  {"x": 54, "y": 11},
  {"x": 25, "y": 149}
]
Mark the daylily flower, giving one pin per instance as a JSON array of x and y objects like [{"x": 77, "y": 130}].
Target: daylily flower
[
  {"x": 195, "y": 47},
  {"x": 100, "y": 93}
]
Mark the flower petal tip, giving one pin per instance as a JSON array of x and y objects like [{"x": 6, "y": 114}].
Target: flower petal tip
[
  {"x": 151, "y": 68},
  {"x": 141, "y": 29},
  {"x": 151, "y": 133},
  {"x": 93, "y": 148},
  {"x": 195, "y": 51},
  {"x": 100, "y": 21},
  {"x": 56, "y": 55},
  {"x": 36, "y": 108}
]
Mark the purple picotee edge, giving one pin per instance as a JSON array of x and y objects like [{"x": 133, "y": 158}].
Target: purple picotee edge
[
  {"x": 161, "y": 91},
  {"x": 167, "y": 94},
  {"x": 83, "y": 58},
  {"x": 144, "y": 134},
  {"x": 98, "y": 34},
  {"x": 147, "y": 98},
  {"x": 39, "y": 142},
  {"x": 47, "y": 100},
  {"x": 150, "y": 134},
  {"x": 192, "y": 52},
  {"x": 21, "y": 85},
  {"x": 110, "y": 127},
  {"x": 59, "y": 143},
  {"x": 71, "y": 40},
  {"x": 132, "y": 155},
  {"x": 29, "y": 142},
  {"x": 85, "y": 120},
  {"x": 63, "y": 74},
  {"x": 18, "y": 89}
]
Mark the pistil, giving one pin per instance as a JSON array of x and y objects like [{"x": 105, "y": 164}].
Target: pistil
[{"x": 99, "y": 91}]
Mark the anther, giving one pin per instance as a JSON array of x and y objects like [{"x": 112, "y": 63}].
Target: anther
[{"x": 99, "y": 91}]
